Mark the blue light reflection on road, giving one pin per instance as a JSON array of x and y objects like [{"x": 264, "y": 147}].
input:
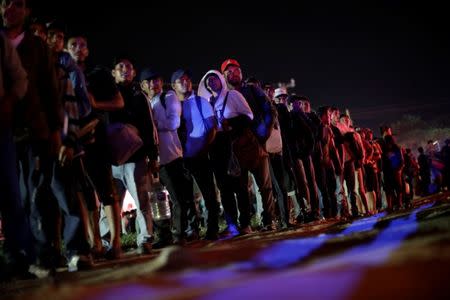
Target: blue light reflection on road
[
  {"x": 288, "y": 252},
  {"x": 238, "y": 280}
]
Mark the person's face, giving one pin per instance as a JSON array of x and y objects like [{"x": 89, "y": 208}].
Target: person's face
[
  {"x": 14, "y": 13},
  {"x": 233, "y": 75},
  {"x": 155, "y": 85},
  {"x": 270, "y": 91},
  {"x": 306, "y": 106},
  {"x": 297, "y": 105},
  {"x": 78, "y": 49},
  {"x": 363, "y": 134},
  {"x": 346, "y": 121},
  {"x": 55, "y": 40},
  {"x": 124, "y": 72},
  {"x": 282, "y": 99},
  {"x": 335, "y": 116},
  {"x": 326, "y": 117},
  {"x": 388, "y": 131},
  {"x": 213, "y": 83},
  {"x": 39, "y": 30},
  {"x": 183, "y": 85}
]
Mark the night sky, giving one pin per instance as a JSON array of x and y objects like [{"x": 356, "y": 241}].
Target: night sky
[{"x": 381, "y": 60}]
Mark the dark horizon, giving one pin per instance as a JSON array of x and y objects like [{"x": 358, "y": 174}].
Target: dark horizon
[{"x": 382, "y": 60}]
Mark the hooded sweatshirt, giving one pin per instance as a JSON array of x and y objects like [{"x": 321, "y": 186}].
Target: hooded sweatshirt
[{"x": 235, "y": 106}]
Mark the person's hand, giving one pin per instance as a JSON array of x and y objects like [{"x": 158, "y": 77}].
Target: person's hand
[
  {"x": 55, "y": 143},
  {"x": 65, "y": 155},
  {"x": 5, "y": 112},
  {"x": 338, "y": 170},
  {"x": 153, "y": 167},
  {"x": 226, "y": 125}
]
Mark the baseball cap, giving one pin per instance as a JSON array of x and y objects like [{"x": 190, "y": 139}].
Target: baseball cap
[
  {"x": 57, "y": 25},
  {"x": 280, "y": 91},
  {"x": 229, "y": 62},
  {"x": 147, "y": 74},
  {"x": 178, "y": 74}
]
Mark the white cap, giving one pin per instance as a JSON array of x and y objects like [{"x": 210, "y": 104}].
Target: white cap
[{"x": 280, "y": 91}]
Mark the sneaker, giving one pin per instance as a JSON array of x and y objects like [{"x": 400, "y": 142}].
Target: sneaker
[
  {"x": 180, "y": 241},
  {"x": 72, "y": 263},
  {"x": 145, "y": 248},
  {"x": 162, "y": 244},
  {"x": 98, "y": 253},
  {"x": 194, "y": 236},
  {"x": 246, "y": 230},
  {"x": 211, "y": 236},
  {"x": 85, "y": 262},
  {"x": 270, "y": 227},
  {"x": 38, "y": 271},
  {"x": 230, "y": 231},
  {"x": 300, "y": 219},
  {"x": 113, "y": 253}
]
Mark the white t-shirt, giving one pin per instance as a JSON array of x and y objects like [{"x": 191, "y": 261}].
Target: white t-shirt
[{"x": 236, "y": 105}]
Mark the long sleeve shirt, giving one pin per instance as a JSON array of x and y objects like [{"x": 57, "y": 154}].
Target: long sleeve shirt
[{"x": 167, "y": 121}]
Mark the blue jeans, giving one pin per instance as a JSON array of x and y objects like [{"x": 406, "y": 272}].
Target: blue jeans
[
  {"x": 15, "y": 222},
  {"x": 135, "y": 179}
]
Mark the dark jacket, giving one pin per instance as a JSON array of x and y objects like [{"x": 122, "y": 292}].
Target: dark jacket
[
  {"x": 301, "y": 138},
  {"x": 284, "y": 118},
  {"x": 137, "y": 113},
  {"x": 424, "y": 166},
  {"x": 40, "y": 112}
]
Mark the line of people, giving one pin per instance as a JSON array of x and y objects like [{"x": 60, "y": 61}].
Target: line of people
[{"x": 75, "y": 139}]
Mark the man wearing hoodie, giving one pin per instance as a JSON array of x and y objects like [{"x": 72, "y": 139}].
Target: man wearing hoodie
[
  {"x": 233, "y": 115},
  {"x": 261, "y": 126}
]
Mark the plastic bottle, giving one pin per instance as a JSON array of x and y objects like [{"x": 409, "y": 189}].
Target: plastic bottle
[{"x": 159, "y": 200}]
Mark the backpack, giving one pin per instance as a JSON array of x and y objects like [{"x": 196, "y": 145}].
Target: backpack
[{"x": 264, "y": 112}]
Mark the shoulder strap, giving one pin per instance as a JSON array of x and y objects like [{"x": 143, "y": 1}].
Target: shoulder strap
[
  {"x": 199, "y": 106},
  {"x": 224, "y": 105},
  {"x": 162, "y": 98}
]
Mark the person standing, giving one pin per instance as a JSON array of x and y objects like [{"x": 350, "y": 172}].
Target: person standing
[
  {"x": 261, "y": 126},
  {"x": 38, "y": 120},
  {"x": 166, "y": 109},
  {"x": 18, "y": 238},
  {"x": 199, "y": 133},
  {"x": 134, "y": 174}
]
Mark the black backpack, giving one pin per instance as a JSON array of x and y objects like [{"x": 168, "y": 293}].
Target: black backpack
[{"x": 264, "y": 112}]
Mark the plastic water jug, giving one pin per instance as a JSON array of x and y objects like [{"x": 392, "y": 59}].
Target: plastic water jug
[{"x": 159, "y": 200}]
